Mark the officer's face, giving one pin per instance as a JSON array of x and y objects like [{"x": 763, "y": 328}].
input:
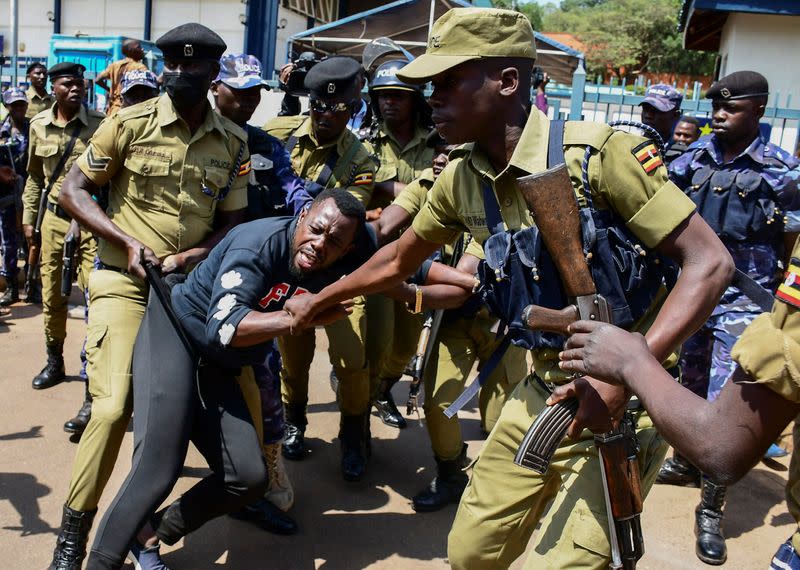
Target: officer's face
[
  {"x": 396, "y": 105},
  {"x": 685, "y": 133},
  {"x": 463, "y": 102},
  {"x": 441, "y": 158},
  {"x": 328, "y": 125},
  {"x": 322, "y": 237},
  {"x": 735, "y": 120},
  {"x": 238, "y": 105},
  {"x": 38, "y": 77},
  {"x": 661, "y": 121},
  {"x": 16, "y": 110},
  {"x": 69, "y": 91}
]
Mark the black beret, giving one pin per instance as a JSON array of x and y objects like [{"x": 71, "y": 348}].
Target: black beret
[
  {"x": 65, "y": 69},
  {"x": 739, "y": 85},
  {"x": 332, "y": 76},
  {"x": 191, "y": 41}
]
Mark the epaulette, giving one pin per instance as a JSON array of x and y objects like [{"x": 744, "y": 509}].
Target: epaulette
[
  {"x": 233, "y": 128},
  {"x": 139, "y": 110},
  {"x": 96, "y": 114},
  {"x": 779, "y": 156},
  {"x": 289, "y": 122},
  {"x": 460, "y": 151},
  {"x": 586, "y": 133}
]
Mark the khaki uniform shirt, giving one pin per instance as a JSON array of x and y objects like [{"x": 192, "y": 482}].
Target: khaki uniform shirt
[
  {"x": 164, "y": 180},
  {"x": 651, "y": 206},
  {"x": 48, "y": 139},
  {"x": 399, "y": 164},
  {"x": 308, "y": 156},
  {"x": 114, "y": 73},
  {"x": 37, "y": 103},
  {"x": 769, "y": 348}
]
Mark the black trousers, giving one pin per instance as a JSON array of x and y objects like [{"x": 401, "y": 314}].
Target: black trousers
[{"x": 175, "y": 402}]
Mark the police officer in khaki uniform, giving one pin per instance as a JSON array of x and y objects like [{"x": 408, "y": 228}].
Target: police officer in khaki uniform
[
  {"x": 328, "y": 155},
  {"x": 398, "y": 139},
  {"x": 66, "y": 127},
  {"x": 480, "y": 63},
  {"x": 38, "y": 97},
  {"x": 177, "y": 173},
  {"x": 727, "y": 436}
]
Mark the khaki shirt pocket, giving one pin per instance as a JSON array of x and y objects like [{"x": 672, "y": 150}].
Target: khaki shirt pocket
[
  {"x": 46, "y": 150},
  {"x": 213, "y": 183},
  {"x": 148, "y": 179}
]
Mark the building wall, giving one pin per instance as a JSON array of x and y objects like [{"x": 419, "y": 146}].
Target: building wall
[
  {"x": 767, "y": 44},
  {"x": 120, "y": 17}
]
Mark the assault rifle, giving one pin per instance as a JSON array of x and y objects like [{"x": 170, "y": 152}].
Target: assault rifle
[
  {"x": 551, "y": 200},
  {"x": 71, "y": 242}
]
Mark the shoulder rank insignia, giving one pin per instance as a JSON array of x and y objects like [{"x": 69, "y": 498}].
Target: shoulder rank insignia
[
  {"x": 96, "y": 163},
  {"x": 648, "y": 156},
  {"x": 789, "y": 290},
  {"x": 363, "y": 179},
  {"x": 244, "y": 169}
]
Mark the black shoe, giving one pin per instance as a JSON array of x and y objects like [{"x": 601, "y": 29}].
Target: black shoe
[
  {"x": 53, "y": 371},
  {"x": 71, "y": 542},
  {"x": 267, "y": 516},
  {"x": 387, "y": 410},
  {"x": 710, "y": 546},
  {"x": 294, "y": 443},
  {"x": 678, "y": 471},
  {"x": 81, "y": 420},
  {"x": 11, "y": 294},
  {"x": 446, "y": 488},
  {"x": 33, "y": 293},
  {"x": 354, "y": 437}
]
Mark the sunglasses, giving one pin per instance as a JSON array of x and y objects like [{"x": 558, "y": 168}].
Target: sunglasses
[{"x": 319, "y": 106}]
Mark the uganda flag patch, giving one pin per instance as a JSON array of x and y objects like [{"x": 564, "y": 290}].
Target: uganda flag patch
[
  {"x": 789, "y": 290},
  {"x": 363, "y": 179},
  {"x": 648, "y": 156},
  {"x": 244, "y": 169}
]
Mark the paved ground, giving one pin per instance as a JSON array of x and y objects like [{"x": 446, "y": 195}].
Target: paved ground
[{"x": 343, "y": 526}]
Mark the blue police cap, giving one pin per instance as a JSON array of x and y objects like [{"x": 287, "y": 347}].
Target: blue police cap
[
  {"x": 14, "y": 94},
  {"x": 138, "y": 77}
]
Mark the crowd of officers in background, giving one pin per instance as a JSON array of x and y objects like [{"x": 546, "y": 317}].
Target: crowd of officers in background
[{"x": 383, "y": 149}]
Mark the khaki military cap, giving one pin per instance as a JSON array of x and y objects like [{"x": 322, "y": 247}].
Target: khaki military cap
[{"x": 464, "y": 34}]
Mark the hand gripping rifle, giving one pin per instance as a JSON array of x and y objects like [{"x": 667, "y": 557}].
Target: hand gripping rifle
[
  {"x": 551, "y": 200},
  {"x": 71, "y": 242}
]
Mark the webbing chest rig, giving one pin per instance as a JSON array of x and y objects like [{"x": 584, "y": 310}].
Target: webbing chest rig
[
  {"x": 519, "y": 271},
  {"x": 739, "y": 205}
]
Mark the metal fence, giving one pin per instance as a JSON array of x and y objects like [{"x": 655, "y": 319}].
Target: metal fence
[{"x": 605, "y": 103}]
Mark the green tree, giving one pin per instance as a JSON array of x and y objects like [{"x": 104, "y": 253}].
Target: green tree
[
  {"x": 630, "y": 35},
  {"x": 533, "y": 11}
]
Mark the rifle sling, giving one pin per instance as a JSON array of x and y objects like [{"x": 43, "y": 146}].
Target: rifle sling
[
  {"x": 64, "y": 157},
  {"x": 486, "y": 370}
]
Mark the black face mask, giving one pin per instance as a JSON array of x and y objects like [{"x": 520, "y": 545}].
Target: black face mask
[{"x": 185, "y": 89}]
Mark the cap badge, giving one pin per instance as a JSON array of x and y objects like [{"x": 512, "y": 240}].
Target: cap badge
[
  {"x": 331, "y": 88},
  {"x": 435, "y": 42},
  {"x": 725, "y": 92},
  {"x": 188, "y": 50}
]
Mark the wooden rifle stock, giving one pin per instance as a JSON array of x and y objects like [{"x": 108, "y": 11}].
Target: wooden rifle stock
[{"x": 551, "y": 200}]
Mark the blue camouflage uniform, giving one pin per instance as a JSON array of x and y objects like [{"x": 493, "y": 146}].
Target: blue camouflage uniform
[
  {"x": 13, "y": 153},
  {"x": 273, "y": 190},
  {"x": 750, "y": 202}
]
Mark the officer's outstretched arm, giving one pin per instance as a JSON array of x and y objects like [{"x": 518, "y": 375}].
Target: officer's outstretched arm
[
  {"x": 388, "y": 267},
  {"x": 388, "y": 226},
  {"x": 76, "y": 198},
  {"x": 706, "y": 270},
  {"x": 724, "y": 438}
]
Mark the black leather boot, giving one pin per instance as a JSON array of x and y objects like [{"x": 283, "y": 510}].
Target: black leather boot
[
  {"x": 294, "y": 443},
  {"x": 678, "y": 471},
  {"x": 354, "y": 437},
  {"x": 384, "y": 403},
  {"x": 710, "y": 547},
  {"x": 81, "y": 420},
  {"x": 11, "y": 294},
  {"x": 53, "y": 371},
  {"x": 446, "y": 488},
  {"x": 71, "y": 542},
  {"x": 267, "y": 516}
]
